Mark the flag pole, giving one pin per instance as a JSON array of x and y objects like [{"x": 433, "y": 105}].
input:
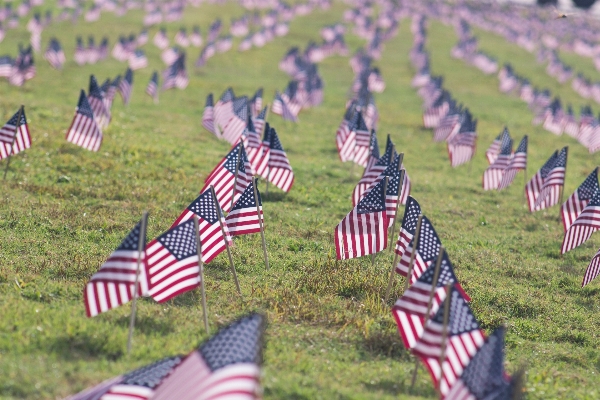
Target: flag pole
[
  {"x": 202, "y": 282},
  {"x": 12, "y": 144},
  {"x": 436, "y": 274},
  {"x": 237, "y": 168},
  {"x": 141, "y": 246},
  {"x": 391, "y": 281},
  {"x": 384, "y": 196},
  {"x": 562, "y": 187},
  {"x": 235, "y": 278},
  {"x": 260, "y": 223},
  {"x": 414, "y": 251},
  {"x": 400, "y": 187},
  {"x": 444, "y": 343}
]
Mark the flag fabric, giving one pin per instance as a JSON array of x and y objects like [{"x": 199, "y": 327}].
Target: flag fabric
[
  {"x": 136, "y": 385},
  {"x": 363, "y": 140},
  {"x": 227, "y": 366},
  {"x": 553, "y": 182},
  {"x": 152, "y": 88},
  {"x": 233, "y": 129},
  {"x": 586, "y": 223},
  {"x": 345, "y": 138},
  {"x": 571, "y": 208},
  {"x": 211, "y": 235},
  {"x": 532, "y": 188},
  {"x": 409, "y": 225},
  {"x": 223, "y": 177},
  {"x": 464, "y": 338},
  {"x": 428, "y": 248},
  {"x": 593, "y": 269},
  {"x": 492, "y": 152},
  {"x": 279, "y": 168},
  {"x": 517, "y": 163},
  {"x": 410, "y": 310},
  {"x": 494, "y": 172},
  {"x": 114, "y": 283},
  {"x": 84, "y": 130},
  {"x": 208, "y": 117},
  {"x": 172, "y": 262},
  {"x": 484, "y": 377},
  {"x": 125, "y": 86},
  {"x": 364, "y": 230},
  {"x": 281, "y": 107},
  {"x": 462, "y": 147},
  {"x": 223, "y": 110},
  {"x": 19, "y": 139},
  {"x": 243, "y": 218}
]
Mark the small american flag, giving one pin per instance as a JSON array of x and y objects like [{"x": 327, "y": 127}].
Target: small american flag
[
  {"x": 532, "y": 188},
  {"x": 427, "y": 250},
  {"x": 125, "y": 86},
  {"x": 579, "y": 199},
  {"x": 114, "y": 283},
  {"x": 226, "y": 366},
  {"x": 493, "y": 174},
  {"x": 364, "y": 230},
  {"x": 152, "y": 88},
  {"x": 461, "y": 146},
  {"x": 257, "y": 101},
  {"x": 223, "y": 110},
  {"x": 259, "y": 120},
  {"x": 211, "y": 235},
  {"x": 553, "y": 182},
  {"x": 593, "y": 269},
  {"x": 345, "y": 138},
  {"x": 363, "y": 140},
  {"x": 13, "y": 140},
  {"x": 484, "y": 377},
  {"x": 223, "y": 177},
  {"x": 243, "y": 218},
  {"x": 172, "y": 262},
  {"x": 160, "y": 39},
  {"x": 492, "y": 152},
  {"x": 84, "y": 131},
  {"x": 232, "y": 130},
  {"x": 586, "y": 223},
  {"x": 281, "y": 107},
  {"x": 279, "y": 168},
  {"x": 55, "y": 54},
  {"x": 373, "y": 171},
  {"x": 517, "y": 163},
  {"x": 410, "y": 310},
  {"x": 448, "y": 127},
  {"x": 208, "y": 116},
  {"x": 409, "y": 225},
  {"x": 464, "y": 338},
  {"x": 96, "y": 99}
]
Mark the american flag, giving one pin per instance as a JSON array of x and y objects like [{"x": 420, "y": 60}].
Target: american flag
[
  {"x": 553, "y": 182},
  {"x": 96, "y": 99},
  {"x": 114, "y": 283},
  {"x": 211, "y": 235},
  {"x": 373, "y": 171},
  {"x": 533, "y": 187},
  {"x": 345, "y": 138},
  {"x": 364, "y": 230},
  {"x": 208, "y": 116},
  {"x": 80, "y": 55},
  {"x": 160, "y": 39},
  {"x": 484, "y": 377},
  {"x": 13, "y": 141},
  {"x": 84, "y": 131},
  {"x": 412, "y": 308},
  {"x": 592, "y": 270},
  {"x": 232, "y": 130},
  {"x": 409, "y": 225},
  {"x": 428, "y": 247},
  {"x": 259, "y": 120},
  {"x": 448, "y": 127},
  {"x": 257, "y": 101},
  {"x": 138, "y": 60},
  {"x": 125, "y": 86},
  {"x": 55, "y": 54},
  {"x": 461, "y": 146},
  {"x": 492, "y": 152},
  {"x": 517, "y": 163},
  {"x": 257, "y": 151},
  {"x": 463, "y": 338},
  {"x": 586, "y": 223},
  {"x": 152, "y": 88},
  {"x": 136, "y": 385},
  {"x": 279, "y": 168},
  {"x": 110, "y": 90},
  {"x": 223, "y": 110},
  {"x": 226, "y": 366},
  {"x": 363, "y": 140},
  {"x": 280, "y": 107},
  {"x": 6, "y": 66},
  {"x": 223, "y": 177},
  {"x": 571, "y": 208},
  {"x": 172, "y": 262},
  {"x": 493, "y": 174},
  {"x": 243, "y": 217}
]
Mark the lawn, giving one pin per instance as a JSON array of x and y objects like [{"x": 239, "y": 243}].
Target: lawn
[{"x": 329, "y": 335}]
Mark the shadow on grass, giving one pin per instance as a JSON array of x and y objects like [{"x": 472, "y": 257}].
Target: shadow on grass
[
  {"x": 85, "y": 346},
  {"x": 401, "y": 387},
  {"x": 384, "y": 344}
]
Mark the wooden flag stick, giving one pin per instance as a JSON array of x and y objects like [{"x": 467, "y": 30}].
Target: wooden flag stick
[
  {"x": 562, "y": 187},
  {"x": 414, "y": 251},
  {"x": 400, "y": 186},
  {"x": 202, "y": 282},
  {"x": 17, "y": 127},
  {"x": 237, "y": 168},
  {"x": 219, "y": 213},
  {"x": 391, "y": 281},
  {"x": 444, "y": 343},
  {"x": 141, "y": 248},
  {"x": 260, "y": 223},
  {"x": 436, "y": 274}
]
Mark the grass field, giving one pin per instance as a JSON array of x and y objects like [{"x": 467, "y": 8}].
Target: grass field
[{"x": 64, "y": 210}]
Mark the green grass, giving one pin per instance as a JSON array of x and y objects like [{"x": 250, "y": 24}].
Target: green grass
[{"x": 64, "y": 210}]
